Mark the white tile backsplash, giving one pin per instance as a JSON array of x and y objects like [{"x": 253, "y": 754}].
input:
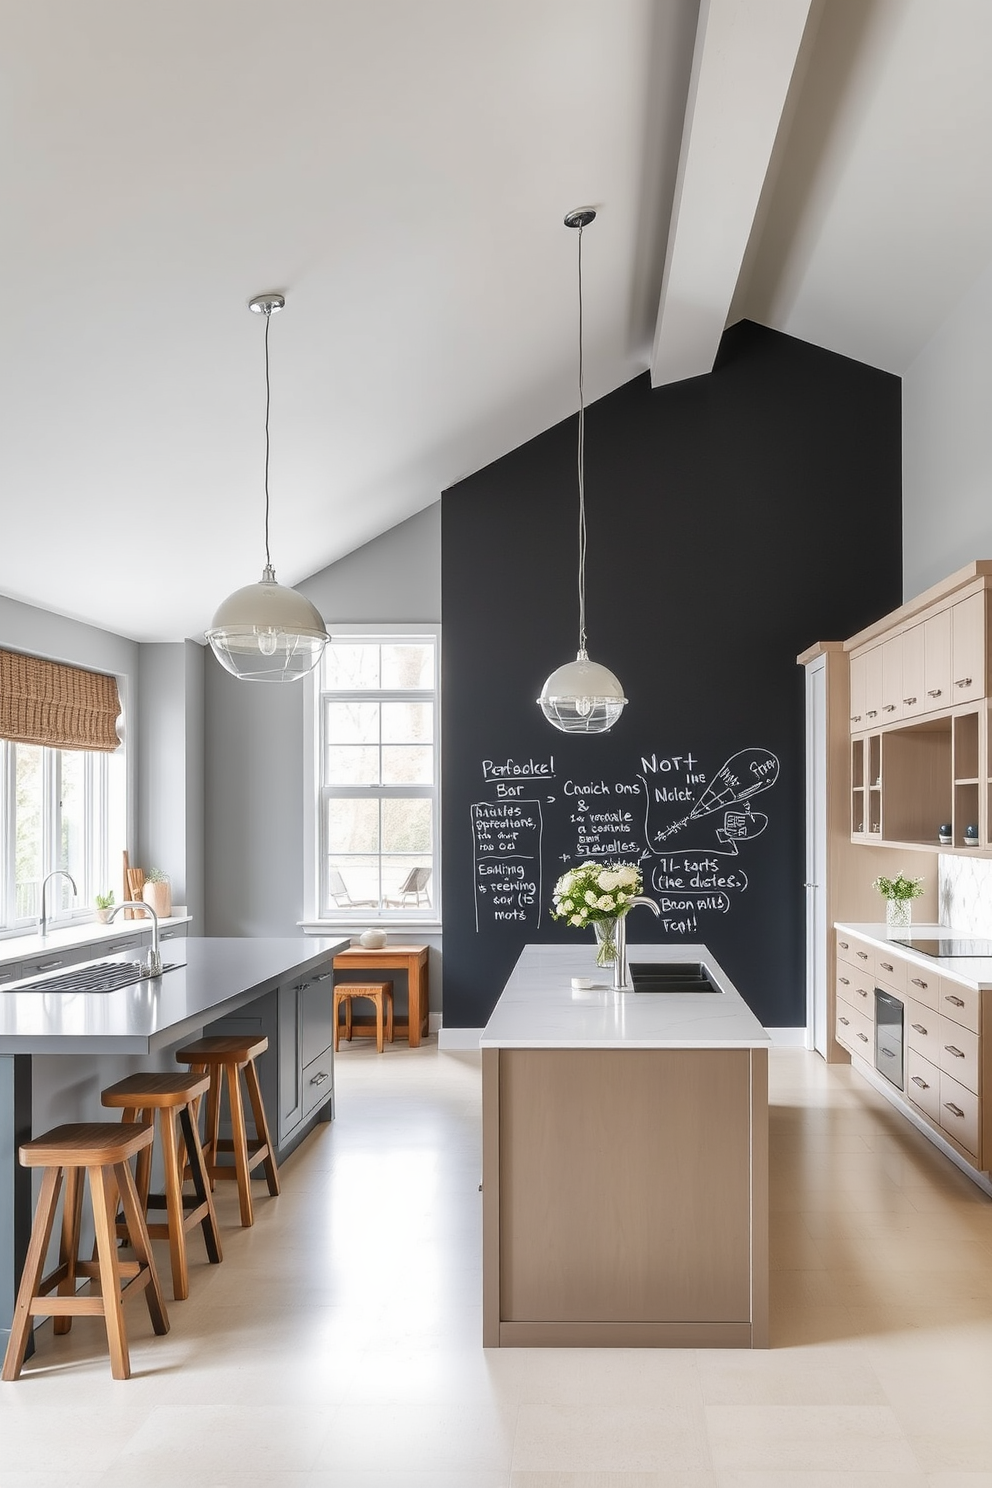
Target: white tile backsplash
[{"x": 964, "y": 887}]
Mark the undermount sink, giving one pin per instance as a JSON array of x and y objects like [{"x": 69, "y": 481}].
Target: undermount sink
[
  {"x": 671, "y": 976},
  {"x": 99, "y": 976}
]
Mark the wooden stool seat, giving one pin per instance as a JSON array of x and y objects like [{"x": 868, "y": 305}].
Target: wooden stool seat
[
  {"x": 102, "y": 1150},
  {"x": 223, "y": 1056},
  {"x": 140, "y": 1096},
  {"x": 377, "y": 992}
]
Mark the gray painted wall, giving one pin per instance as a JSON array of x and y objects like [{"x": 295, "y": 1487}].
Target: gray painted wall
[
  {"x": 254, "y": 741},
  {"x": 170, "y": 781},
  {"x": 947, "y": 456}
]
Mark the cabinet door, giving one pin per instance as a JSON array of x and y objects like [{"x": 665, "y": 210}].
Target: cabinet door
[
  {"x": 858, "y": 665},
  {"x": 937, "y": 661},
  {"x": 290, "y": 1064},
  {"x": 316, "y": 1013},
  {"x": 873, "y": 686},
  {"x": 892, "y": 688},
  {"x": 968, "y": 649},
  {"x": 913, "y": 672}
]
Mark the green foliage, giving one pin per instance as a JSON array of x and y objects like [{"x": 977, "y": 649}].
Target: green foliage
[
  {"x": 105, "y": 901},
  {"x": 899, "y": 887},
  {"x": 595, "y": 891},
  {"x": 155, "y": 875}
]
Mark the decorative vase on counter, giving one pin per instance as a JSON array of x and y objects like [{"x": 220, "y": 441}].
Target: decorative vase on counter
[
  {"x": 898, "y": 914},
  {"x": 606, "y": 940},
  {"x": 158, "y": 893},
  {"x": 372, "y": 939}
]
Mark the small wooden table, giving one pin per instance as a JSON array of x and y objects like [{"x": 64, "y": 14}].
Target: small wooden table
[{"x": 410, "y": 958}]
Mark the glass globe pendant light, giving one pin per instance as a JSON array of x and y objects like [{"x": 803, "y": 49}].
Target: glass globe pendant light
[
  {"x": 582, "y": 697},
  {"x": 266, "y": 632}
]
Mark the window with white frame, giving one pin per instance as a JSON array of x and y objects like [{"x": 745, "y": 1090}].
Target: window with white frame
[
  {"x": 377, "y": 748},
  {"x": 59, "y": 808}
]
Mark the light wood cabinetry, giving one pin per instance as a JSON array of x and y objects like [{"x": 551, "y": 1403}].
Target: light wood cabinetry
[
  {"x": 937, "y": 661},
  {"x": 948, "y": 1057}
]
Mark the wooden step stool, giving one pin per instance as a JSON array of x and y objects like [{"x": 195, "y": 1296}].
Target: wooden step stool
[
  {"x": 376, "y": 992},
  {"x": 223, "y": 1056},
  {"x": 102, "y": 1151},
  {"x": 140, "y": 1096}
]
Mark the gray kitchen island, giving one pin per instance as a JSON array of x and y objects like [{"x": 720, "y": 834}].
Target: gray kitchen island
[
  {"x": 59, "y": 1049},
  {"x": 625, "y": 1159}
]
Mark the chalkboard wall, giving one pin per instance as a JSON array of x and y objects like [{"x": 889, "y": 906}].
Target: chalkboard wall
[{"x": 733, "y": 519}]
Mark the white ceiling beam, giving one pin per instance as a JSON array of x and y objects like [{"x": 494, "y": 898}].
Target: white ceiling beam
[{"x": 743, "y": 64}]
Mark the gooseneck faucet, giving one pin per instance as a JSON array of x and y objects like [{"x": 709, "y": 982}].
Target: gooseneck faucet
[
  {"x": 620, "y": 979},
  {"x": 55, "y": 873},
  {"x": 154, "y": 963}
]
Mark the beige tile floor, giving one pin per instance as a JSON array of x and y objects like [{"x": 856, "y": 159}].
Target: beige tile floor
[{"x": 338, "y": 1344}]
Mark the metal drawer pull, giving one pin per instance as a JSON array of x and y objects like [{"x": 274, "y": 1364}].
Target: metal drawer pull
[
  {"x": 863, "y": 955},
  {"x": 889, "y": 707},
  {"x": 872, "y": 713},
  {"x": 844, "y": 945},
  {"x": 957, "y": 1001},
  {"x": 962, "y": 682},
  {"x": 919, "y": 1027},
  {"x": 863, "y": 1037},
  {"x": 861, "y": 991},
  {"x": 322, "y": 976},
  {"x": 889, "y": 1053},
  {"x": 918, "y": 982},
  {"x": 319, "y": 1077},
  {"x": 855, "y": 717},
  {"x": 49, "y": 965},
  {"x": 846, "y": 1022},
  {"x": 922, "y": 1083},
  {"x": 956, "y": 1052},
  {"x": 844, "y": 980},
  {"x": 908, "y": 701},
  {"x": 933, "y": 692},
  {"x": 954, "y": 1110},
  {"x": 886, "y": 966}
]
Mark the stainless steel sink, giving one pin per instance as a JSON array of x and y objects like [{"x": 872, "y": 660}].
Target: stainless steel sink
[
  {"x": 95, "y": 976},
  {"x": 671, "y": 976}
]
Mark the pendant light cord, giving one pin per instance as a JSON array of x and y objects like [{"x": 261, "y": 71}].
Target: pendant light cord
[
  {"x": 581, "y": 458},
  {"x": 268, "y": 560}
]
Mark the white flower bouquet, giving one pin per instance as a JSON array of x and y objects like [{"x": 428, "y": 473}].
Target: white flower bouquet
[{"x": 597, "y": 894}]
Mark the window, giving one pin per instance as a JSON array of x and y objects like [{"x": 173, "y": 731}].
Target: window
[
  {"x": 59, "y": 808},
  {"x": 377, "y": 733}
]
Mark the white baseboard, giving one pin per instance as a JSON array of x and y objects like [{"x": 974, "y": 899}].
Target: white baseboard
[
  {"x": 434, "y": 1022},
  {"x": 453, "y": 1039},
  {"x": 789, "y": 1038}
]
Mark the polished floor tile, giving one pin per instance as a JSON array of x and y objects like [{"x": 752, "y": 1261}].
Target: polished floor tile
[{"x": 338, "y": 1346}]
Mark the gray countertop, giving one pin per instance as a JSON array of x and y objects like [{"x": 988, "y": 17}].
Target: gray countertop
[
  {"x": 213, "y": 977},
  {"x": 540, "y": 1009}
]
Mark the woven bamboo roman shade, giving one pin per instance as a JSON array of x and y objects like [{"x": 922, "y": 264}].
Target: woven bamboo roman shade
[{"x": 43, "y": 702}]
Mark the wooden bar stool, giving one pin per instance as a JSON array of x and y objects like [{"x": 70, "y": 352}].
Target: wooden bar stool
[
  {"x": 377, "y": 992},
  {"x": 140, "y": 1096},
  {"x": 223, "y": 1056},
  {"x": 102, "y": 1151}
]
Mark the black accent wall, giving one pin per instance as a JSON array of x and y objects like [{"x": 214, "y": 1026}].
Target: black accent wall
[{"x": 733, "y": 520}]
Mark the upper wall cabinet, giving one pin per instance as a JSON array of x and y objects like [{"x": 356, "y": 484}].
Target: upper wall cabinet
[{"x": 920, "y": 719}]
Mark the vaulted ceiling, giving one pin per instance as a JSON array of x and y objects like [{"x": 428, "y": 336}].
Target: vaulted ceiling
[{"x": 400, "y": 169}]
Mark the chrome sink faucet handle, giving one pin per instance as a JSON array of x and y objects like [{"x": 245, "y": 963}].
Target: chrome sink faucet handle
[
  {"x": 154, "y": 962},
  {"x": 621, "y": 982},
  {"x": 55, "y": 873}
]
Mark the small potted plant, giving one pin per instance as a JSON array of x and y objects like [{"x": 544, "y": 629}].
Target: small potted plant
[
  {"x": 104, "y": 904},
  {"x": 157, "y": 891},
  {"x": 899, "y": 893}
]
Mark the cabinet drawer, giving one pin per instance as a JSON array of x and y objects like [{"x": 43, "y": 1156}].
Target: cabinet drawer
[
  {"x": 892, "y": 970},
  {"x": 856, "y": 953},
  {"x": 922, "y": 1027},
  {"x": 318, "y": 1081},
  {"x": 923, "y": 1084},
  {"x": 959, "y": 1111},
  {"x": 855, "y": 988},
  {"x": 958, "y": 1056},
  {"x": 960, "y": 1003},
  {"x": 854, "y": 1031},
  {"x": 922, "y": 986}
]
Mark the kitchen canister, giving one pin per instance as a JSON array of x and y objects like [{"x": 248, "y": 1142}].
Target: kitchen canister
[{"x": 372, "y": 939}]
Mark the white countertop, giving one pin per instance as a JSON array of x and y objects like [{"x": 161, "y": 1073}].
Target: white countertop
[
  {"x": 87, "y": 932},
  {"x": 975, "y": 970},
  {"x": 539, "y": 1009},
  {"x": 213, "y": 977}
]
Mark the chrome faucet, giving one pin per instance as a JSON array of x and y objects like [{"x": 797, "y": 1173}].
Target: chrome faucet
[
  {"x": 55, "y": 873},
  {"x": 154, "y": 963},
  {"x": 620, "y": 980}
]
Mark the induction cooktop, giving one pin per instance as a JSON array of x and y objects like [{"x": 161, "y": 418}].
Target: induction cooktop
[{"x": 949, "y": 947}]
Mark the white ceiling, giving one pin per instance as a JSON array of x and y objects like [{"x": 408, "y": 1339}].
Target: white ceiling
[{"x": 400, "y": 169}]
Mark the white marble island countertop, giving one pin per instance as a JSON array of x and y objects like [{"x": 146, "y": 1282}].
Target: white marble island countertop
[
  {"x": 210, "y": 978},
  {"x": 540, "y": 1009}
]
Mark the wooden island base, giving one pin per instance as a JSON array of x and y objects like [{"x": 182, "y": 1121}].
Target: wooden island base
[{"x": 625, "y": 1197}]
